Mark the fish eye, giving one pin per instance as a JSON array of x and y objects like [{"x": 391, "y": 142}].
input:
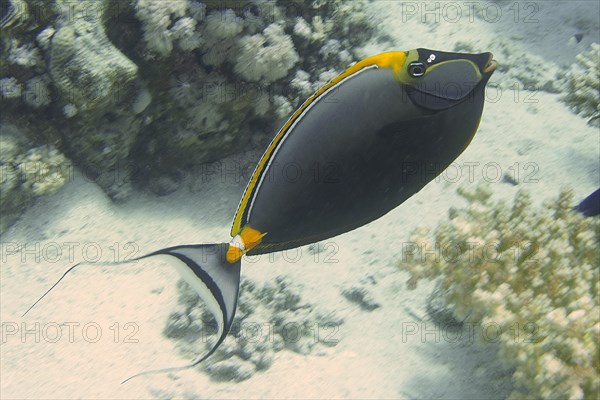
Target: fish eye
[{"x": 416, "y": 69}]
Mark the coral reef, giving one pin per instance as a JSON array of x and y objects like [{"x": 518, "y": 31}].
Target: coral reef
[
  {"x": 97, "y": 87},
  {"x": 64, "y": 82},
  {"x": 583, "y": 85},
  {"x": 163, "y": 23},
  {"x": 26, "y": 173},
  {"x": 87, "y": 70},
  {"x": 230, "y": 71},
  {"x": 22, "y": 62},
  {"x": 267, "y": 56},
  {"x": 269, "y": 319},
  {"x": 146, "y": 89},
  {"x": 531, "y": 276}
]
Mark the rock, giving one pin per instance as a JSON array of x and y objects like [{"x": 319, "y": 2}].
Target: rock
[
  {"x": 233, "y": 369},
  {"x": 272, "y": 317},
  {"x": 177, "y": 325},
  {"x": 86, "y": 68},
  {"x": 164, "y": 185},
  {"x": 440, "y": 312},
  {"x": 361, "y": 296}
]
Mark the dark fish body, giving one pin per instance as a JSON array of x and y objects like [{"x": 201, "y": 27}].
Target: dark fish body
[
  {"x": 590, "y": 206},
  {"x": 364, "y": 150},
  {"x": 360, "y": 146}
]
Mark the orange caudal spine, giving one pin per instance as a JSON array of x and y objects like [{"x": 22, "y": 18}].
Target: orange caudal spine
[{"x": 243, "y": 243}]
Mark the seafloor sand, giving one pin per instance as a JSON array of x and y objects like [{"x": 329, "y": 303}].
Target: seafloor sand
[{"x": 374, "y": 358}]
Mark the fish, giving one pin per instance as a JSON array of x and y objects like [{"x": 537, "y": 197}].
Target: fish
[
  {"x": 590, "y": 206},
  {"x": 360, "y": 146}
]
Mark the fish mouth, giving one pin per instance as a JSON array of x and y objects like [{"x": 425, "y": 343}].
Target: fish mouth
[{"x": 491, "y": 65}]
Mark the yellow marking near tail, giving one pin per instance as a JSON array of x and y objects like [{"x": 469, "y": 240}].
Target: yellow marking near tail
[{"x": 249, "y": 238}]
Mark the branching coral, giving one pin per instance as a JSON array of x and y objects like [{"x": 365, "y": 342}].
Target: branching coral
[
  {"x": 184, "y": 31},
  {"x": 23, "y": 76},
  {"x": 26, "y": 173},
  {"x": 156, "y": 17},
  {"x": 24, "y": 54},
  {"x": 178, "y": 82},
  {"x": 219, "y": 31},
  {"x": 237, "y": 81},
  {"x": 266, "y": 57},
  {"x": 584, "y": 85},
  {"x": 532, "y": 275},
  {"x": 42, "y": 170},
  {"x": 269, "y": 319}
]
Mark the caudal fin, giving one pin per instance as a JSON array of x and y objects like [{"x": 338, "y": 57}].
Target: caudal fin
[{"x": 206, "y": 269}]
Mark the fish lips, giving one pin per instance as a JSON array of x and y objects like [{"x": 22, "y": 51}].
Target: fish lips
[
  {"x": 484, "y": 61},
  {"x": 488, "y": 68}
]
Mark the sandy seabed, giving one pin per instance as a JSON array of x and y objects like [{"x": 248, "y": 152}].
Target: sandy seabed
[{"x": 103, "y": 324}]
